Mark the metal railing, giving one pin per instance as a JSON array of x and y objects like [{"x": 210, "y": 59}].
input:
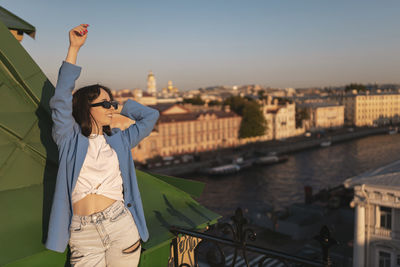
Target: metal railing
[{"x": 239, "y": 243}]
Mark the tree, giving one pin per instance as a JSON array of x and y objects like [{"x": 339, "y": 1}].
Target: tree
[
  {"x": 355, "y": 86},
  {"x": 236, "y": 104},
  {"x": 253, "y": 121},
  {"x": 301, "y": 114},
  {"x": 214, "y": 103},
  {"x": 194, "y": 101},
  {"x": 261, "y": 94}
]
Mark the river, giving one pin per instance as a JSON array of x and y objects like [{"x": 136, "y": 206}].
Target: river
[{"x": 259, "y": 189}]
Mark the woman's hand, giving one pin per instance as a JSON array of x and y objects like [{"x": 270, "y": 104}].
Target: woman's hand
[
  {"x": 78, "y": 35},
  {"x": 77, "y": 38}
]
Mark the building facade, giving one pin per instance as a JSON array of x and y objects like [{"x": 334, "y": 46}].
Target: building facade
[
  {"x": 377, "y": 220},
  {"x": 180, "y": 131},
  {"x": 151, "y": 84},
  {"x": 372, "y": 109},
  {"x": 281, "y": 119},
  {"x": 323, "y": 115}
]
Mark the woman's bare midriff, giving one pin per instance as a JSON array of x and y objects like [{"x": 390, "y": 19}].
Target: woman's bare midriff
[{"x": 92, "y": 203}]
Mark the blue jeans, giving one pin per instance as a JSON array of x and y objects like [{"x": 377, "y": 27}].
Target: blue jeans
[{"x": 102, "y": 238}]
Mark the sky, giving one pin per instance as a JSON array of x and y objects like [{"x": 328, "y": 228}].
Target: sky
[{"x": 276, "y": 43}]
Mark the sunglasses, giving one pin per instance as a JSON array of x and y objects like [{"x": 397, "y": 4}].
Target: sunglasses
[{"x": 106, "y": 104}]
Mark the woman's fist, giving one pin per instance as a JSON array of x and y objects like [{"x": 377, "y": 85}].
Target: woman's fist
[{"x": 77, "y": 36}]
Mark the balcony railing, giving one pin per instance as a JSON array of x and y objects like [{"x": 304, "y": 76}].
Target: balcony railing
[
  {"x": 191, "y": 240},
  {"x": 384, "y": 232}
]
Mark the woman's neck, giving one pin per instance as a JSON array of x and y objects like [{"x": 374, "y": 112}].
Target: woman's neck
[{"x": 97, "y": 130}]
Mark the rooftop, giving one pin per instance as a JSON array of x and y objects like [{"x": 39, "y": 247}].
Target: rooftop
[
  {"x": 385, "y": 177},
  {"x": 318, "y": 105},
  {"x": 14, "y": 22}
]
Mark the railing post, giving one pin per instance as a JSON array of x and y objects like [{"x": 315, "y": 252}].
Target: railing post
[
  {"x": 175, "y": 246},
  {"x": 326, "y": 241}
]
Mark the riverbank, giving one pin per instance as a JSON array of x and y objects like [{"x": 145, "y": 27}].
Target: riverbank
[{"x": 291, "y": 145}]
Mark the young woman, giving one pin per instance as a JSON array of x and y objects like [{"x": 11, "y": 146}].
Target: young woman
[{"x": 97, "y": 207}]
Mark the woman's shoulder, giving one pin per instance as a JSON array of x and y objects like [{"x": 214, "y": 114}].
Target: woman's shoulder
[{"x": 115, "y": 130}]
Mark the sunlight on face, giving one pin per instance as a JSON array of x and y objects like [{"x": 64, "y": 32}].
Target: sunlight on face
[{"x": 100, "y": 114}]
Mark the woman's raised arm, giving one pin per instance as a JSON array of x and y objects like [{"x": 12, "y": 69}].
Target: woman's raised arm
[
  {"x": 61, "y": 102},
  {"x": 77, "y": 38},
  {"x": 145, "y": 119}
]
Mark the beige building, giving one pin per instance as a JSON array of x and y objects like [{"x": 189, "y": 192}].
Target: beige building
[
  {"x": 323, "y": 115},
  {"x": 372, "y": 109},
  {"x": 377, "y": 217},
  {"x": 281, "y": 119},
  {"x": 138, "y": 95},
  {"x": 123, "y": 95},
  {"x": 180, "y": 131},
  {"x": 151, "y": 84}
]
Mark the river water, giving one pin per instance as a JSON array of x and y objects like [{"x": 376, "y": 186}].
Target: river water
[{"x": 259, "y": 189}]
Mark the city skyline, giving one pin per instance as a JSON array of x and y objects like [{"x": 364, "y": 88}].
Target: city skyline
[{"x": 202, "y": 44}]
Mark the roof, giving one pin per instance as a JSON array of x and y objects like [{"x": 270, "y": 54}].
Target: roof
[
  {"x": 319, "y": 105},
  {"x": 162, "y": 107},
  {"x": 147, "y": 94},
  {"x": 371, "y": 94},
  {"x": 386, "y": 177},
  {"x": 126, "y": 94},
  {"x": 14, "y": 22},
  {"x": 192, "y": 116}
]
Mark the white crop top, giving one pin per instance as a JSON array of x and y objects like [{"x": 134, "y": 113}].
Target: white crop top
[{"x": 100, "y": 173}]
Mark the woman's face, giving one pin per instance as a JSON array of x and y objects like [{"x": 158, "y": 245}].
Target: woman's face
[{"x": 102, "y": 115}]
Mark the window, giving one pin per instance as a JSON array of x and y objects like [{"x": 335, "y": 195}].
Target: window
[
  {"x": 384, "y": 259},
  {"x": 386, "y": 217}
]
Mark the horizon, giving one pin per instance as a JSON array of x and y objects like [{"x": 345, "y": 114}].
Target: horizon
[{"x": 278, "y": 44}]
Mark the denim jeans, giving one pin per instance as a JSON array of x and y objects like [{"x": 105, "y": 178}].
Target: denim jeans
[{"x": 100, "y": 239}]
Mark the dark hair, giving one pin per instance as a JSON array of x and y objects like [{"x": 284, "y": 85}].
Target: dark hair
[{"x": 81, "y": 101}]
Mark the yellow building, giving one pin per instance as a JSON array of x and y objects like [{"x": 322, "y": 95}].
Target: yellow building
[
  {"x": 324, "y": 115},
  {"x": 372, "y": 109},
  {"x": 171, "y": 88},
  {"x": 151, "y": 83}
]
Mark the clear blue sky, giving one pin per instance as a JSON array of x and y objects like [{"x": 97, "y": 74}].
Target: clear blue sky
[{"x": 201, "y": 43}]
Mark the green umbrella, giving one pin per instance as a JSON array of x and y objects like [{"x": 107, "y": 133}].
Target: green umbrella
[{"x": 28, "y": 168}]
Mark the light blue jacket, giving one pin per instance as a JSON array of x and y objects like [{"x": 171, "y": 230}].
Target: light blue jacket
[{"x": 72, "y": 148}]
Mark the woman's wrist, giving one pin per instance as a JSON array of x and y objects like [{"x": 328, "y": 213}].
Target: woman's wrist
[{"x": 72, "y": 54}]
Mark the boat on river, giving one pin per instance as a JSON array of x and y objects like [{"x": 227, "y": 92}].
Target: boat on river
[
  {"x": 271, "y": 159},
  {"x": 223, "y": 169},
  {"x": 393, "y": 131},
  {"x": 326, "y": 143}
]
